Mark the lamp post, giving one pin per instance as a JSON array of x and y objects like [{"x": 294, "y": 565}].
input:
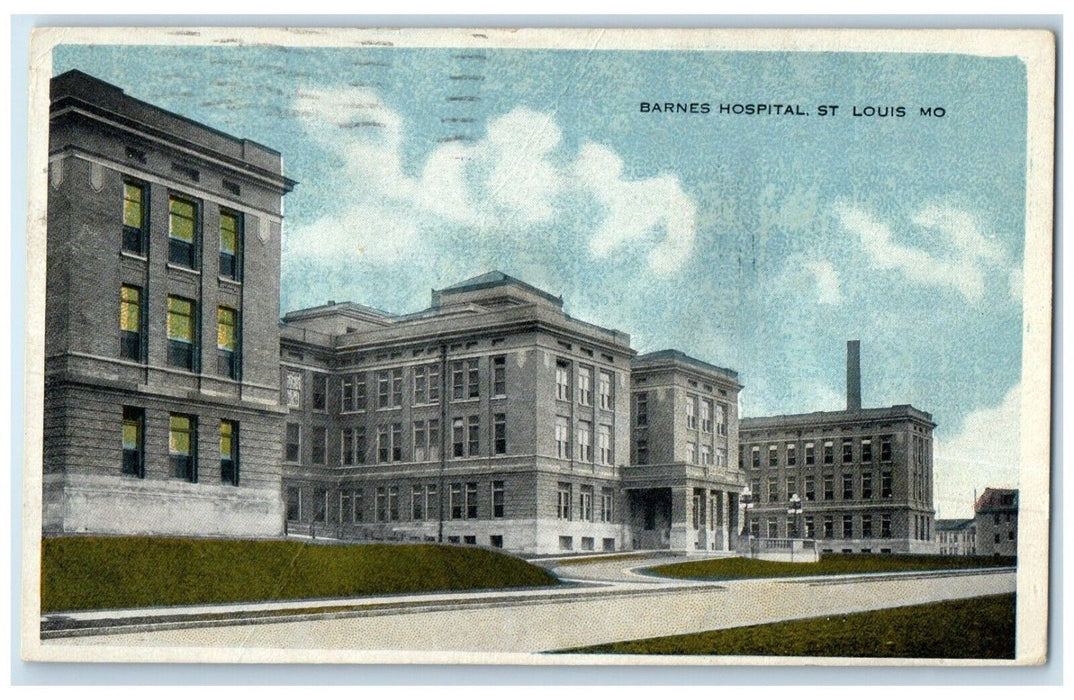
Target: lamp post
[
  {"x": 795, "y": 510},
  {"x": 747, "y": 499}
]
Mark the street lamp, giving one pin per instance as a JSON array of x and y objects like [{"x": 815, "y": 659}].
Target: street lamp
[
  {"x": 795, "y": 510},
  {"x": 747, "y": 499}
]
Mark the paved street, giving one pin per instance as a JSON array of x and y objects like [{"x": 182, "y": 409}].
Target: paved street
[{"x": 545, "y": 620}]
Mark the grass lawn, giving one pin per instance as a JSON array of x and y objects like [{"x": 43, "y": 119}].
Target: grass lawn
[
  {"x": 84, "y": 573},
  {"x": 975, "y": 628},
  {"x": 829, "y": 564}
]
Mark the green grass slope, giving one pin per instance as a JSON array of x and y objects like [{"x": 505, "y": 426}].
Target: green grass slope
[
  {"x": 976, "y": 628},
  {"x": 829, "y": 564},
  {"x": 84, "y": 573}
]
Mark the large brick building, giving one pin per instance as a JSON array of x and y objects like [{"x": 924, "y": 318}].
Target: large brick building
[
  {"x": 863, "y": 476},
  {"x": 161, "y": 366}
]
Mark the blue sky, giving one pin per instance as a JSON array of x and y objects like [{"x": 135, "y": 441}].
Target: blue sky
[{"x": 760, "y": 243}]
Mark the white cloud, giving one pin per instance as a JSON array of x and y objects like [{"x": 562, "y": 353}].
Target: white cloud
[
  {"x": 985, "y": 452},
  {"x": 516, "y": 177},
  {"x": 965, "y": 258},
  {"x": 827, "y": 281}
]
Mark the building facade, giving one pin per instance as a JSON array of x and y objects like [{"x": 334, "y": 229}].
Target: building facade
[
  {"x": 956, "y": 537},
  {"x": 863, "y": 476},
  {"x": 995, "y": 517},
  {"x": 161, "y": 368}
]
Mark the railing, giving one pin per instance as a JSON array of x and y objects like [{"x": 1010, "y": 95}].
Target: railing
[{"x": 779, "y": 547}]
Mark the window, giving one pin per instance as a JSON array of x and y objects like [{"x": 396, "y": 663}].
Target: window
[
  {"x": 473, "y": 436},
  {"x": 227, "y": 343},
  {"x": 829, "y": 487},
  {"x": 293, "y": 443},
  {"x": 182, "y": 447},
  {"x": 706, "y": 416},
  {"x": 496, "y": 541},
  {"x": 458, "y": 437},
  {"x": 585, "y": 441},
  {"x": 465, "y": 379},
  {"x": 773, "y": 456},
  {"x": 293, "y": 389},
  {"x": 829, "y": 527},
  {"x": 346, "y": 394},
  {"x": 867, "y": 486},
  {"x": 230, "y": 244},
  {"x": 755, "y": 457},
  {"x": 294, "y": 503},
  {"x": 721, "y": 456},
  {"x": 426, "y": 384},
  {"x": 848, "y": 451},
  {"x": 791, "y": 490},
  {"x": 848, "y": 487},
  {"x": 384, "y": 449},
  {"x": 135, "y": 221},
  {"x": 350, "y": 506},
  {"x": 563, "y": 501},
  {"x": 691, "y": 412},
  {"x": 885, "y": 484},
  {"x": 421, "y": 441},
  {"x": 131, "y": 324},
  {"x": 885, "y": 525},
  {"x": 566, "y": 542},
  {"x": 471, "y": 500},
  {"x": 383, "y": 389},
  {"x": 499, "y": 376},
  {"x": 397, "y": 387},
  {"x": 397, "y": 442},
  {"x": 417, "y": 502},
  {"x": 499, "y": 433},
  {"x": 773, "y": 528},
  {"x": 810, "y": 527},
  {"x": 563, "y": 437},
  {"x": 320, "y": 392},
  {"x": 229, "y": 452},
  {"x": 455, "y": 502},
  {"x": 182, "y": 333},
  {"x": 585, "y": 386},
  {"x": 182, "y": 232},
  {"x": 347, "y": 445},
  {"x": 706, "y": 455},
  {"x": 607, "y": 398},
  {"x": 773, "y": 489},
  {"x": 643, "y": 451},
  {"x": 810, "y": 489},
  {"x": 848, "y": 526},
  {"x": 606, "y": 496},
  {"x": 810, "y": 454},
  {"x": 497, "y": 499},
  {"x": 473, "y": 379},
  {"x": 641, "y": 414},
  {"x": 829, "y": 452},
  {"x": 393, "y": 503},
  {"x": 691, "y": 452},
  {"x": 318, "y": 444},
  {"x": 867, "y": 450},
  {"x": 134, "y": 441},
  {"x": 885, "y": 448},
  {"x": 586, "y": 503},
  {"x": 721, "y": 419},
  {"x": 866, "y": 526},
  {"x": 792, "y": 454},
  {"x": 380, "y": 504}
]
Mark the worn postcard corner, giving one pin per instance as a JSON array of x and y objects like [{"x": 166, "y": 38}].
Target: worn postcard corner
[{"x": 542, "y": 346}]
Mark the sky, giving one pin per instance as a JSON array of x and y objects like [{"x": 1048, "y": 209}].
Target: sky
[{"x": 756, "y": 242}]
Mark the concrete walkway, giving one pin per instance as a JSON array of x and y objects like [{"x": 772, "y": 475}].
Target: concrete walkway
[{"x": 614, "y": 605}]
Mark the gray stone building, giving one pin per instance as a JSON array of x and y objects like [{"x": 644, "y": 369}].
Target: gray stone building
[
  {"x": 161, "y": 368},
  {"x": 995, "y": 517},
  {"x": 492, "y": 418},
  {"x": 956, "y": 536},
  {"x": 863, "y": 476}
]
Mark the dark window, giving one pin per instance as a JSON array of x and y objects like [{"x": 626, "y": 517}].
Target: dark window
[
  {"x": 885, "y": 448},
  {"x": 848, "y": 526},
  {"x": 293, "y": 448},
  {"x": 499, "y": 376},
  {"x": 829, "y": 452},
  {"x": 294, "y": 503},
  {"x": 317, "y": 444},
  {"x": 866, "y": 526},
  {"x": 867, "y": 450},
  {"x": 230, "y": 244},
  {"x": 229, "y": 452},
  {"x": 182, "y": 333},
  {"x": 848, "y": 487},
  {"x": 473, "y": 379},
  {"x": 499, "y": 437},
  {"x": 866, "y": 486},
  {"x": 227, "y": 342},
  {"x": 397, "y": 442},
  {"x": 810, "y": 454},
  {"x": 810, "y": 489},
  {"x": 473, "y": 436},
  {"x": 497, "y": 499},
  {"x": 755, "y": 460},
  {"x": 182, "y": 447},
  {"x": 829, "y": 488},
  {"x": 456, "y": 502},
  {"x": 131, "y": 324},
  {"x": 641, "y": 415},
  {"x": 471, "y": 500},
  {"x": 134, "y": 441},
  {"x": 320, "y": 392},
  {"x": 182, "y": 232},
  {"x": 135, "y": 219},
  {"x": 885, "y": 485},
  {"x": 458, "y": 437}
]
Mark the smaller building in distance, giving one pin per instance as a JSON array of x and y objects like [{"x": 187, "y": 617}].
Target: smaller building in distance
[
  {"x": 956, "y": 536},
  {"x": 996, "y": 520},
  {"x": 863, "y": 476}
]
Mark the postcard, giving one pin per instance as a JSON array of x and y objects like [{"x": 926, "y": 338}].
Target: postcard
[{"x": 539, "y": 346}]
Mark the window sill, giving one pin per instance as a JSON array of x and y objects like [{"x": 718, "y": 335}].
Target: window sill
[
  {"x": 133, "y": 256},
  {"x": 182, "y": 268},
  {"x": 228, "y": 280},
  {"x": 474, "y": 399}
]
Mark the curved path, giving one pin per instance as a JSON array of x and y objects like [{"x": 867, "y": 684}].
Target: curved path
[{"x": 613, "y": 604}]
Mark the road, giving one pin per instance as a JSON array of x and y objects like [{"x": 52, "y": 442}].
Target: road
[{"x": 626, "y": 607}]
